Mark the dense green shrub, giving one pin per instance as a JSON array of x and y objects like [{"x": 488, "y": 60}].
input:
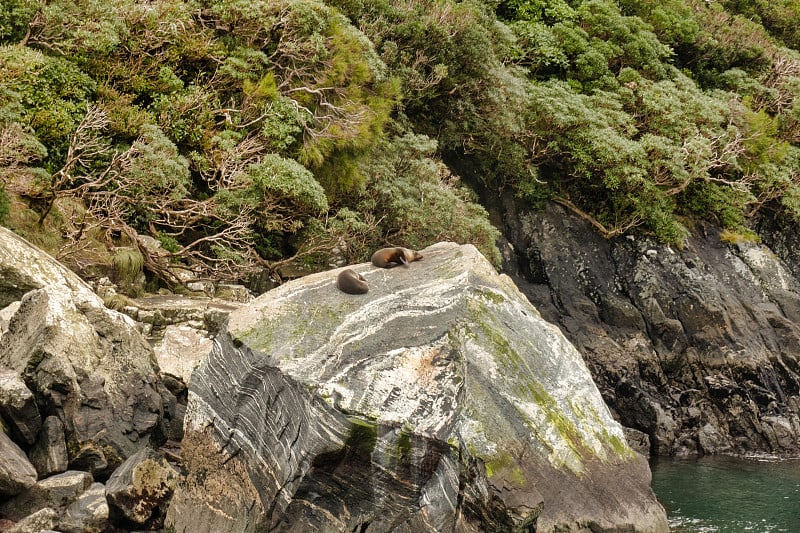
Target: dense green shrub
[
  {"x": 420, "y": 202},
  {"x": 52, "y": 91},
  {"x": 246, "y": 134}
]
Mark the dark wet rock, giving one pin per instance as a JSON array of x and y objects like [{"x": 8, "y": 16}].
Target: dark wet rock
[
  {"x": 639, "y": 441},
  {"x": 439, "y": 401},
  {"x": 49, "y": 454},
  {"x": 697, "y": 347}
]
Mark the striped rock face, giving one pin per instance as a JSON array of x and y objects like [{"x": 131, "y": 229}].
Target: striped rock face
[{"x": 439, "y": 401}]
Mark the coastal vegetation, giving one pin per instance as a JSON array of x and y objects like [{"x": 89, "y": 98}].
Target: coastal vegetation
[{"x": 272, "y": 135}]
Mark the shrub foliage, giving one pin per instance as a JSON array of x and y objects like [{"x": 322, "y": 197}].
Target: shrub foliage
[{"x": 260, "y": 134}]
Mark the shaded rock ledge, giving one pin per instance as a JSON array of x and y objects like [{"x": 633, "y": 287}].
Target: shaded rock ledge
[{"x": 439, "y": 401}]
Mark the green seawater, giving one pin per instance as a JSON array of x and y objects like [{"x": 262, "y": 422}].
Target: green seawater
[{"x": 729, "y": 495}]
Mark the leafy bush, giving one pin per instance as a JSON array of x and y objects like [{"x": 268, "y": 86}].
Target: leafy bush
[
  {"x": 52, "y": 91},
  {"x": 419, "y": 202},
  {"x": 279, "y": 190}
]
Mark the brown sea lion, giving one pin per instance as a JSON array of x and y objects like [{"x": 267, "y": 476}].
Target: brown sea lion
[
  {"x": 351, "y": 282},
  {"x": 392, "y": 257}
]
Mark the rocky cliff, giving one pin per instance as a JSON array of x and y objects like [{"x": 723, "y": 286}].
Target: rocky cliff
[
  {"x": 438, "y": 401},
  {"x": 698, "y": 347}
]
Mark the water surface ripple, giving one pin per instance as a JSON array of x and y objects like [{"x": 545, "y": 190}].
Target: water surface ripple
[{"x": 729, "y": 495}]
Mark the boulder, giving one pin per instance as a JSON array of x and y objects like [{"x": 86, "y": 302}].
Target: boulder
[
  {"x": 56, "y": 492},
  {"x": 41, "y": 521},
  {"x": 16, "y": 472},
  {"x": 5, "y": 315},
  {"x": 84, "y": 363},
  {"x": 439, "y": 401},
  {"x": 181, "y": 350},
  {"x": 139, "y": 490},
  {"x": 49, "y": 454},
  {"x": 70, "y": 502},
  {"x": 18, "y": 408}
]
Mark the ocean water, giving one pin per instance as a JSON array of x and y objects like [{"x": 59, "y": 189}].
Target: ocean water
[{"x": 729, "y": 495}]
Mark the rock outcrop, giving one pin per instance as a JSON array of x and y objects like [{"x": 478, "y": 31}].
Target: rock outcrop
[
  {"x": 439, "y": 401},
  {"x": 84, "y": 363},
  {"x": 697, "y": 347},
  {"x": 70, "y": 502}
]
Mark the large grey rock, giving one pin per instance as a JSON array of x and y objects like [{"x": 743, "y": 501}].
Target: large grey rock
[
  {"x": 39, "y": 522},
  {"x": 697, "y": 347},
  {"x": 84, "y": 362},
  {"x": 181, "y": 350},
  {"x": 18, "y": 408},
  {"x": 49, "y": 454},
  {"x": 5, "y": 315},
  {"x": 16, "y": 472},
  {"x": 56, "y": 492},
  {"x": 439, "y": 401},
  {"x": 139, "y": 490},
  {"x": 70, "y": 502}
]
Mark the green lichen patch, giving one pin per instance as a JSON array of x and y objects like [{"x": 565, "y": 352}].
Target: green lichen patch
[
  {"x": 258, "y": 337},
  {"x": 531, "y": 390},
  {"x": 618, "y": 446},
  {"x": 292, "y": 325},
  {"x": 504, "y": 465},
  {"x": 362, "y": 438},
  {"x": 492, "y": 296},
  {"x": 523, "y": 383}
]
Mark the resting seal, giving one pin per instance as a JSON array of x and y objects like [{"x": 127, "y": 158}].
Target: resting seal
[
  {"x": 351, "y": 282},
  {"x": 392, "y": 257}
]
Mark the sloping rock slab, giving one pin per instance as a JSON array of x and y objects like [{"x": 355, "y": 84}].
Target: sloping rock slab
[
  {"x": 439, "y": 401},
  {"x": 84, "y": 363}
]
